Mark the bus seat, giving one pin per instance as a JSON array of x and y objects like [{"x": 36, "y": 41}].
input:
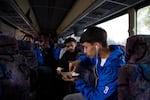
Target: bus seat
[
  {"x": 138, "y": 48},
  {"x": 14, "y": 80},
  {"x": 134, "y": 77},
  {"x": 25, "y": 49},
  {"x": 8, "y": 45}
]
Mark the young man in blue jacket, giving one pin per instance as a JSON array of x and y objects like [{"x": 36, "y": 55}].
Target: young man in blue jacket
[{"x": 106, "y": 59}]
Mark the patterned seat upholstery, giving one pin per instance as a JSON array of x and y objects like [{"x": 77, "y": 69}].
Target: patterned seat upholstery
[
  {"x": 25, "y": 49},
  {"x": 14, "y": 72},
  {"x": 138, "y": 49},
  {"x": 134, "y": 77}
]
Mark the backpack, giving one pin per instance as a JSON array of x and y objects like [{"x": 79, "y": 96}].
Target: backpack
[{"x": 14, "y": 72}]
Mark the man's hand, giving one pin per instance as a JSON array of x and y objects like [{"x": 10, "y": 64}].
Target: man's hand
[
  {"x": 67, "y": 76},
  {"x": 59, "y": 69},
  {"x": 73, "y": 65}
]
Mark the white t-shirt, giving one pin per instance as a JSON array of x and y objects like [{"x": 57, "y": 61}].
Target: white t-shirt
[
  {"x": 103, "y": 60},
  {"x": 62, "y": 51}
]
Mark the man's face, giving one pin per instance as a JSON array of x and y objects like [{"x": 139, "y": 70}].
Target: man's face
[
  {"x": 89, "y": 49},
  {"x": 70, "y": 46}
]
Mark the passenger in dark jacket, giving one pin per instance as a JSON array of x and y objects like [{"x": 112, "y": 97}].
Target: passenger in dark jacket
[{"x": 70, "y": 55}]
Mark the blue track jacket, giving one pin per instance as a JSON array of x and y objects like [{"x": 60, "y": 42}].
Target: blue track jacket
[{"x": 107, "y": 75}]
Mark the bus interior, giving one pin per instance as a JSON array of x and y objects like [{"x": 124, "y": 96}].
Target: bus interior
[
  {"x": 59, "y": 18},
  {"x": 50, "y": 21}
]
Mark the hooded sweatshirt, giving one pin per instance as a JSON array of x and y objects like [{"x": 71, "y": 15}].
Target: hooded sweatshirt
[{"x": 106, "y": 84}]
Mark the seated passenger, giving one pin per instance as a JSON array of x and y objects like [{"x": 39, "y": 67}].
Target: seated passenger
[
  {"x": 56, "y": 51},
  {"x": 70, "y": 55},
  {"x": 106, "y": 59},
  {"x": 38, "y": 52}
]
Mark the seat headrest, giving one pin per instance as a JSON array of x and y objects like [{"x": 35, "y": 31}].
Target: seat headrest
[
  {"x": 24, "y": 45},
  {"x": 138, "y": 48},
  {"x": 7, "y": 40},
  {"x": 8, "y": 45}
]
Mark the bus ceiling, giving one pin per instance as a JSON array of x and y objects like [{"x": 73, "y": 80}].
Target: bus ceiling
[{"x": 60, "y": 17}]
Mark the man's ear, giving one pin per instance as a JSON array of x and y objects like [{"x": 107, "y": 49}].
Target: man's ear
[{"x": 96, "y": 47}]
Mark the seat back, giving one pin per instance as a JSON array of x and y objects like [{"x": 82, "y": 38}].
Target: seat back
[
  {"x": 14, "y": 72},
  {"x": 25, "y": 49},
  {"x": 134, "y": 77},
  {"x": 138, "y": 49}
]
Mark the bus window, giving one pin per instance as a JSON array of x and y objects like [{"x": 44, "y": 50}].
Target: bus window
[
  {"x": 115, "y": 28},
  {"x": 143, "y": 22}
]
